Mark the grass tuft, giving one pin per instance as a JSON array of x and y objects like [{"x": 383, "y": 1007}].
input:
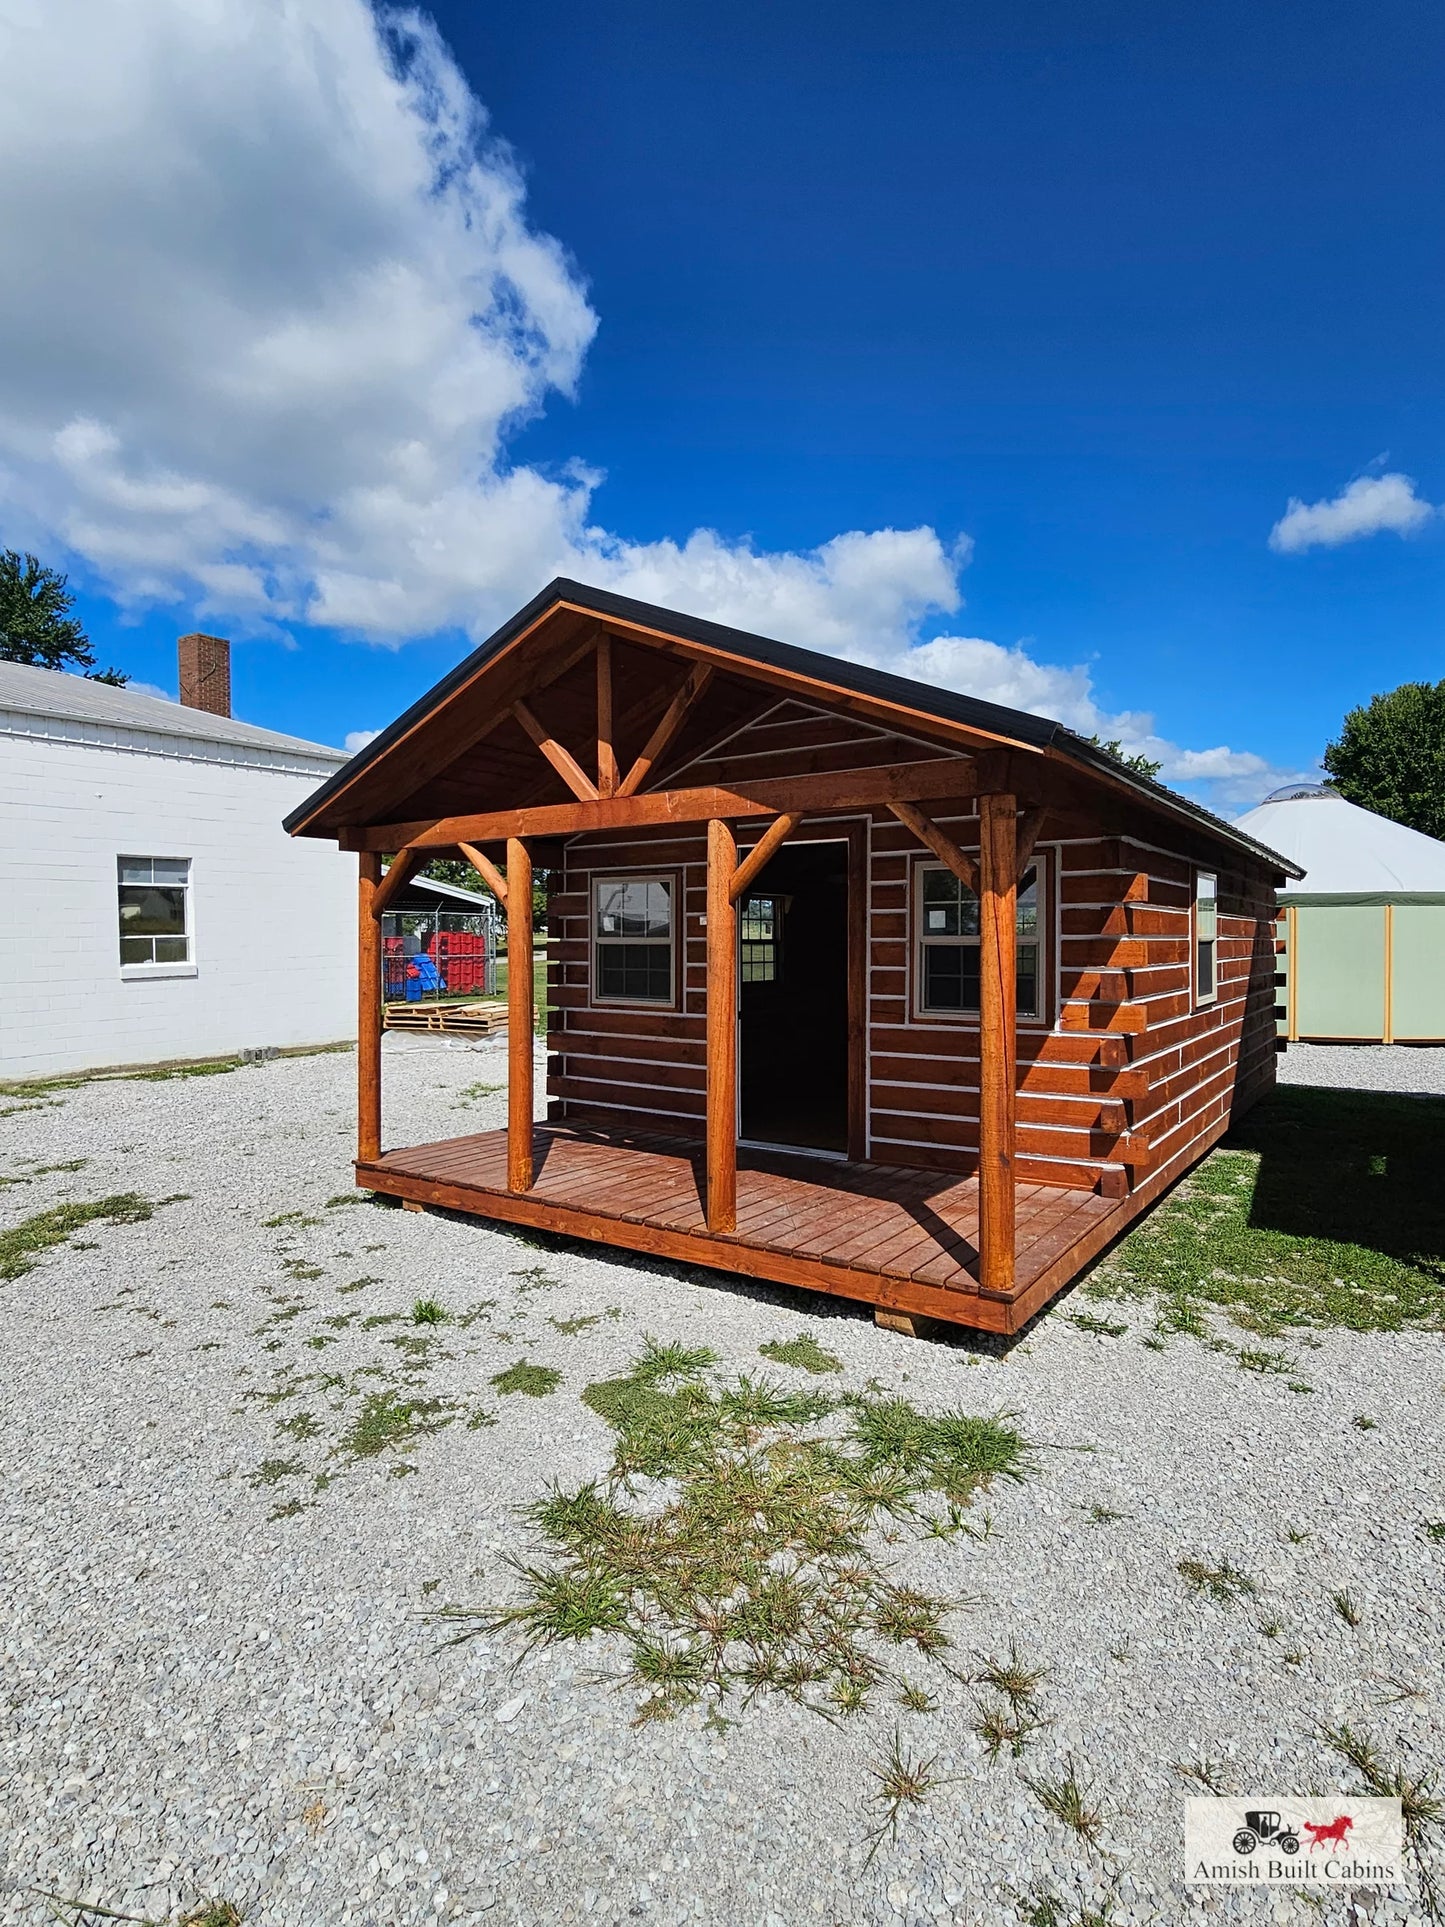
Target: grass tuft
[
  {"x": 23, "y": 1243},
  {"x": 732, "y": 1546},
  {"x": 1069, "y": 1801},
  {"x": 1223, "y": 1582},
  {"x": 903, "y": 1780},
  {"x": 804, "y": 1352},
  {"x": 426, "y": 1311},
  {"x": 1346, "y": 1608},
  {"x": 536, "y": 1381}
]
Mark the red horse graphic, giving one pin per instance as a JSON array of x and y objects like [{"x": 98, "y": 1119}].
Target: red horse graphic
[{"x": 1332, "y": 1835}]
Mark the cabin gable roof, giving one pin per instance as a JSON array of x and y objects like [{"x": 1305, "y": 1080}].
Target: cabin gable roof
[{"x": 462, "y": 746}]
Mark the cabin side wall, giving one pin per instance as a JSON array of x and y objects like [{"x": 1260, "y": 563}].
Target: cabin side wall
[{"x": 1124, "y": 1073}]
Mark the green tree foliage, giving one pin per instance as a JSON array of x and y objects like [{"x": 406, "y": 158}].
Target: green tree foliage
[
  {"x": 460, "y": 874},
  {"x": 36, "y": 624},
  {"x": 1390, "y": 756},
  {"x": 1115, "y": 748}
]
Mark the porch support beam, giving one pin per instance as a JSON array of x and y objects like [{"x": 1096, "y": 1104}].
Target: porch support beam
[
  {"x": 772, "y": 837},
  {"x": 942, "y": 845},
  {"x": 721, "y": 1203},
  {"x": 368, "y": 1011},
  {"x": 404, "y": 866},
  {"x": 606, "y": 750},
  {"x": 951, "y": 777},
  {"x": 519, "y": 1015},
  {"x": 1029, "y": 824},
  {"x": 495, "y": 881},
  {"x": 669, "y": 723},
  {"x": 997, "y": 899},
  {"x": 561, "y": 759}
]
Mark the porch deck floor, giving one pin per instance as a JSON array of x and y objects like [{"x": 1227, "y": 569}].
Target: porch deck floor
[{"x": 891, "y": 1234}]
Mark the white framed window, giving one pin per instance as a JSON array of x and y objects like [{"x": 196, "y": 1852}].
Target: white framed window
[
  {"x": 634, "y": 921},
  {"x": 760, "y": 938},
  {"x": 154, "y": 904},
  {"x": 946, "y": 944},
  {"x": 1206, "y": 936}
]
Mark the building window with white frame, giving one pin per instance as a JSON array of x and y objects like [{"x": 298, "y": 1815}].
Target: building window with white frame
[
  {"x": 155, "y": 911},
  {"x": 1206, "y": 936},
  {"x": 633, "y": 939},
  {"x": 946, "y": 946}
]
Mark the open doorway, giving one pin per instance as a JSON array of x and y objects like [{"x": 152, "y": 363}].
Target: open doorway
[{"x": 793, "y": 1000}]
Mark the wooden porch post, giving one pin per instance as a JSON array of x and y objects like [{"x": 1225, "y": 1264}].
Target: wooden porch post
[
  {"x": 998, "y": 999},
  {"x": 368, "y": 1012},
  {"x": 519, "y": 1015},
  {"x": 722, "y": 1029}
]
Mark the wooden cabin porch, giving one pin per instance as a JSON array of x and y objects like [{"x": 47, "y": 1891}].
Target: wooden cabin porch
[{"x": 903, "y": 1239}]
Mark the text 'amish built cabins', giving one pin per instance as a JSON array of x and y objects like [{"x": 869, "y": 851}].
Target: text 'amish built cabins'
[{"x": 854, "y": 983}]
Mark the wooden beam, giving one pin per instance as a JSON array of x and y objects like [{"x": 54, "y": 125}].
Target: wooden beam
[
  {"x": 1027, "y": 835},
  {"x": 775, "y": 834},
  {"x": 486, "y": 870},
  {"x": 943, "y": 846},
  {"x": 562, "y": 760},
  {"x": 951, "y": 777},
  {"x": 403, "y": 867},
  {"x": 368, "y": 1011},
  {"x": 669, "y": 723},
  {"x": 606, "y": 749},
  {"x": 519, "y": 1016},
  {"x": 997, "y": 1043},
  {"x": 722, "y": 1029}
]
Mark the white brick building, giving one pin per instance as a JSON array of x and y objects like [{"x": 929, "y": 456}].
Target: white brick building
[{"x": 154, "y": 909}]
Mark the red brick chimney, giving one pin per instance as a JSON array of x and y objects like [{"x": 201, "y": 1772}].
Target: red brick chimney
[{"x": 205, "y": 673}]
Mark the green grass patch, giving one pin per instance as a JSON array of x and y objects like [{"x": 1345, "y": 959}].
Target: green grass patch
[
  {"x": 387, "y": 1423},
  {"x": 1323, "y": 1209},
  {"x": 754, "y": 1563},
  {"x": 427, "y": 1311},
  {"x": 536, "y": 1381},
  {"x": 23, "y": 1243},
  {"x": 803, "y": 1352}
]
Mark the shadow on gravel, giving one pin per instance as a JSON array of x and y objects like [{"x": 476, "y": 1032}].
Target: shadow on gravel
[{"x": 1362, "y": 1168}]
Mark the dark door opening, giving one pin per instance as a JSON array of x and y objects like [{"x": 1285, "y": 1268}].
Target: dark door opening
[{"x": 793, "y": 1000}]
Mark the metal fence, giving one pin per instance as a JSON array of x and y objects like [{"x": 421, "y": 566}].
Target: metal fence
[{"x": 435, "y": 956}]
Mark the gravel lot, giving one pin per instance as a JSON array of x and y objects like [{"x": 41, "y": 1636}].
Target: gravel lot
[
  {"x": 1417, "y": 1068},
  {"x": 222, "y": 1682}
]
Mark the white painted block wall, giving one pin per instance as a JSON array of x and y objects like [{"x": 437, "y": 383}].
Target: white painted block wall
[{"x": 273, "y": 917}]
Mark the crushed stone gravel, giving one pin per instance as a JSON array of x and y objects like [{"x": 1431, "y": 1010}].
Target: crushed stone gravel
[
  {"x": 1411, "y": 1068},
  {"x": 221, "y": 1679}
]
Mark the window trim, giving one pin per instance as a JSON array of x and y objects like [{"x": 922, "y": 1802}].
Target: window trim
[
  {"x": 1043, "y": 863},
  {"x": 1203, "y": 999},
  {"x": 173, "y": 967},
  {"x": 595, "y": 998}
]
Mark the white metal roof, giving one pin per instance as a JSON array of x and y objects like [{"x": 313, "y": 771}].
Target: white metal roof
[
  {"x": 1346, "y": 851},
  {"x": 49, "y": 695}
]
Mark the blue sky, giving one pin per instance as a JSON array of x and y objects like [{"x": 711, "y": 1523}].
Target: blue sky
[{"x": 1092, "y": 292}]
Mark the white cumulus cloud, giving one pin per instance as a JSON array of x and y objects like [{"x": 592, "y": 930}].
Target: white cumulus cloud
[
  {"x": 358, "y": 739},
  {"x": 272, "y": 312},
  {"x": 1368, "y": 505}
]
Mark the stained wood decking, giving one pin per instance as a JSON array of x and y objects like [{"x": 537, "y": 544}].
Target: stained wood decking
[{"x": 897, "y": 1237}]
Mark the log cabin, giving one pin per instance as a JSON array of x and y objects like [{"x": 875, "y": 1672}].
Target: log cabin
[{"x": 853, "y": 983}]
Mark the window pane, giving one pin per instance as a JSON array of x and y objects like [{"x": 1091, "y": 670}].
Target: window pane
[
  {"x": 1026, "y": 917},
  {"x": 1027, "y": 979},
  {"x": 634, "y": 907},
  {"x": 134, "y": 869},
  {"x": 950, "y": 976},
  {"x": 135, "y": 950},
  {"x": 641, "y": 972},
  {"x": 165, "y": 869},
  {"x": 950, "y": 908},
  {"x": 1206, "y": 909},
  {"x": 1204, "y": 977},
  {"x": 170, "y": 949},
  {"x": 152, "y": 912},
  {"x": 757, "y": 920}
]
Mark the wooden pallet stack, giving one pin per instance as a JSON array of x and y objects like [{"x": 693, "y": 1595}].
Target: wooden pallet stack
[{"x": 464, "y": 1020}]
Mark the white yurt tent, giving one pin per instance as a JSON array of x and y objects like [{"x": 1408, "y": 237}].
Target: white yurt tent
[{"x": 1364, "y": 930}]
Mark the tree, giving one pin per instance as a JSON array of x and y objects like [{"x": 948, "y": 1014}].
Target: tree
[
  {"x": 1390, "y": 756},
  {"x": 460, "y": 874},
  {"x": 1115, "y": 748},
  {"x": 36, "y": 625}
]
